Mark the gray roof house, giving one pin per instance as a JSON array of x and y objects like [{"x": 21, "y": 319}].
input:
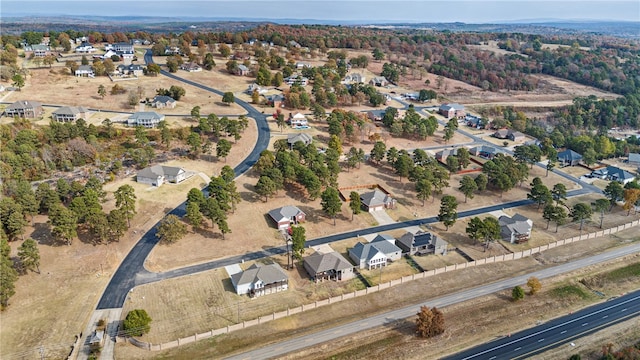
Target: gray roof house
[
  {"x": 377, "y": 200},
  {"x": 483, "y": 151},
  {"x": 70, "y": 114},
  {"x": 85, "y": 70},
  {"x": 329, "y": 266},
  {"x": 287, "y": 215},
  {"x": 634, "y": 159},
  {"x": 158, "y": 174},
  {"x": 260, "y": 280},
  {"x": 148, "y": 119},
  {"x": 24, "y": 109},
  {"x": 242, "y": 70},
  {"x": 422, "y": 243},
  {"x": 452, "y": 110},
  {"x": 163, "y": 101},
  {"x": 374, "y": 254},
  {"x": 516, "y": 229},
  {"x": 569, "y": 158},
  {"x": 294, "y": 138},
  {"x": 442, "y": 155},
  {"x": 379, "y": 81}
]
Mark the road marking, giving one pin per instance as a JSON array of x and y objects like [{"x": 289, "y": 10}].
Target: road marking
[
  {"x": 491, "y": 358},
  {"x": 541, "y": 340},
  {"x": 625, "y": 309},
  {"x": 585, "y": 324},
  {"x": 516, "y": 349},
  {"x": 564, "y": 331},
  {"x": 606, "y": 316}
]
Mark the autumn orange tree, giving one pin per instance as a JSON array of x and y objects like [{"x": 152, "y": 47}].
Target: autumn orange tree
[
  {"x": 534, "y": 285},
  {"x": 631, "y": 197},
  {"x": 430, "y": 322}
]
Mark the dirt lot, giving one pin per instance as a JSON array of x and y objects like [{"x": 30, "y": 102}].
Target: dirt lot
[{"x": 458, "y": 335}]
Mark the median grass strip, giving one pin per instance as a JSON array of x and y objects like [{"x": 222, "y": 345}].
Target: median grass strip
[
  {"x": 573, "y": 290},
  {"x": 624, "y": 273}
]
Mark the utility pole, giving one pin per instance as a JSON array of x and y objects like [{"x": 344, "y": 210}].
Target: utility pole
[{"x": 41, "y": 350}]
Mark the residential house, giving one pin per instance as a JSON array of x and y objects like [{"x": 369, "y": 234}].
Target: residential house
[
  {"x": 159, "y": 174},
  {"x": 172, "y": 50},
  {"x": 191, "y": 67},
  {"x": 163, "y": 101},
  {"x": 260, "y": 280},
  {"x": 306, "y": 139},
  {"x": 453, "y": 110},
  {"x": 375, "y": 115},
  {"x": 85, "y": 48},
  {"x": 569, "y": 158},
  {"x": 377, "y": 200},
  {"x": 474, "y": 121},
  {"x": 287, "y": 215},
  {"x": 275, "y": 100},
  {"x": 501, "y": 134},
  {"x": 422, "y": 243},
  {"x": 85, "y": 71},
  {"x": 516, "y": 229},
  {"x": 254, "y": 87},
  {"x": 633, "y": 159},
  {"x": 148, "y": 119},
  {"x": 241, "y": 56},
  {"x": 515, "y": 136},
  {"x": 613, "y": 173},
  {"x": 353, "y": 78},
  {"x": 297, "y": 120},
  {"x": 106, "y": 55},
  {"x": 302, "y": 65},
  {"x": 119, "y": 47},
  {"x": 374, "y": 254},
  {"x": 70, "y": 114},
  {"x": 329, "y": 266},
  {"x": 379, "y": 81},
  {"x": 242, "y": 70},
  {"x": 24, "y": 109},
  {"x": 38, "y": 50},
  {"x": 442, "y": 155},
  {"x": 132, "y": 69},
  {"x": 295, "y": 79},
  {"x": 483, "y": 151}
]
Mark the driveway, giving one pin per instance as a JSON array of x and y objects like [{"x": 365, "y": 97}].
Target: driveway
[{"x": 382, "y": 217}]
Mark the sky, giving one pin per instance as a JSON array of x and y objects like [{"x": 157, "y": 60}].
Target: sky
[{"x": 365, "y": 11}]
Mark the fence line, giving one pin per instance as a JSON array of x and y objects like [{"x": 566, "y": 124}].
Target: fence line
[{"x": 320, "y": 303}]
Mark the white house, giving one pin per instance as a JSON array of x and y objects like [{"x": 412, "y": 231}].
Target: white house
[
  {"x": 375, "y": 254},
  {"x": 158, "y": 174},
  {"x": 85, "y": 70},
  {"x": 148, "y": 119},
  {"x": 515, "y": 229}
]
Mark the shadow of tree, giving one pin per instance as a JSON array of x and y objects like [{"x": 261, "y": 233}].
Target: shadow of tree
[{"x": 42, "y": 234}]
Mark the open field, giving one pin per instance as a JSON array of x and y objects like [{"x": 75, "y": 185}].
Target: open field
[
  {"x": 49, "y": 86},
  {"x": 458, "y": 335}
]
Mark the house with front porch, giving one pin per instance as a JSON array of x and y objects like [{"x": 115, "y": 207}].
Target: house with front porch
[
  {"x": 515, "y": 229},
  {"x": 148, "y": 119},
  {"x": 158, "y": 174},
  {"x": 24, "y": 109},
  {"x": 260, "y": 280},
  {"x": 377, "y": 200},
  {"x": 284, "y": 216},
  {"x": 70, "y": 114},
  {"x": 422, "y": 243},
  {"x": 374, "y": 254}
]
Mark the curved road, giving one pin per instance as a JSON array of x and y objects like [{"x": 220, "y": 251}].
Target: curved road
[
  {"x": 125, "y": 277},
  {"x": 391, "y": 317}
]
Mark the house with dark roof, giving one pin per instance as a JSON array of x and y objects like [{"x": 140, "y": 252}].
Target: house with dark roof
[
  {"x": 85, "y": 48},
  {"x": 302, "y": 137},
  {"x": 287, "y": 215},
  {"x": 422, "y": 243},
  {"x": 515, "y": 136},
  {"x": 158, "y": 174},
  {"x": 132, "y": 69},
  {"x": 569, "y": 158},
  {"x": 377, "y": 200},
  {"x": 483, "y": 151},
  {"x": 275, "y": 100},
  {"x": 70, "y": 114},
  {"x": 374, "y": 254},
  {"x": 260, "y": 280},
  {"x": 25, "y": 109},
  {"x": 452, "y": 110},
  {"x": 515, "y": 229},
  {"x": 501, "y": 134},
  {"x": 329, "y": 266},
  {"x": 163, "y": 101},
  {"x": 613, "y": 173},
  {"x": 375, "y": 115},
  {"x": 148, "y": 119}
]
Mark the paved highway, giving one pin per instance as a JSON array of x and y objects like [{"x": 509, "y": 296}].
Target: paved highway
[
  {"x": 560, "y": 331},
  {"x": 391, "y": 317},
  {"x": 132, "y": 267}
]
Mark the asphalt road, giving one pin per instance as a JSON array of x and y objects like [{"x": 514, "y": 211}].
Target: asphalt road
[
  {"x": 560, "y": 331},
  {"x": 390, "y": 318},
  {"x": 132, "y": 268}
]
